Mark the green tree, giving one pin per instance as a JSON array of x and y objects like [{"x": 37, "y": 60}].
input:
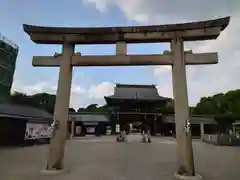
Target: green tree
[
  {"x": 81, "y": 110},
  {"x": 19, "y": 98},
  {"x": 233, "y": 99},
  {"x": 206, "y": 106},
  {"x": 169, "y": 109},
  {"x": 219, "y": 104},
  {"x": 94, "y": 108},
  {"x": 225, "y": 108},
  {"x": 71, "y": 110},
  {"x": 225, "y": 121},
  {"x": 103, "y": 108},
  {"x": 91, "y": 108},
  {"x": 41, "y": 100}
]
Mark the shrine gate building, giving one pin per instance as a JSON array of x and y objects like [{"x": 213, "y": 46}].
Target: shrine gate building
[{"x": 137, "y": 105}]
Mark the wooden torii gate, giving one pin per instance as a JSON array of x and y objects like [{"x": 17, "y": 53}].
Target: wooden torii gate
[{"x": 176, "y": 34}]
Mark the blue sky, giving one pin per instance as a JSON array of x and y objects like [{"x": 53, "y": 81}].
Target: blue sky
[
  {"x": 89, "y": 81},
  {"x": 79, "y": 15}
]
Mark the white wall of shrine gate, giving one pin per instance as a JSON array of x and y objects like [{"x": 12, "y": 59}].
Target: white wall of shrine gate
[{"x": 105, "y": 118}]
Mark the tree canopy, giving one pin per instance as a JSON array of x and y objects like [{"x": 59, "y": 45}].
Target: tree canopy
[
  {"x": 71, "y": 110},
  {"x": 228, "y": 103},
  {"x": 41, "y": 100},
  {"x": 224, "y": 107},
  {"x": 94, "y": 108}
]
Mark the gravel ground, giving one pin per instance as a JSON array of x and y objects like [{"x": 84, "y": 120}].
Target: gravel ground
[{"x": 102, "y": 158}]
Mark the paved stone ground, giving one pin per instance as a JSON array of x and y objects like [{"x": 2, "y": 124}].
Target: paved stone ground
[{"x": 101, "y": 158}]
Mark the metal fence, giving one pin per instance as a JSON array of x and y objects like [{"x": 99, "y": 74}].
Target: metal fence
[
  {"x": 8, "y": 41},
  {"x": 222, "y": 140}
]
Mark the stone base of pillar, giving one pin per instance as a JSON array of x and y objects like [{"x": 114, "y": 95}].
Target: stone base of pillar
[
  {"x": 196, "y": 177},
  {"x": 54, "y": 171}
]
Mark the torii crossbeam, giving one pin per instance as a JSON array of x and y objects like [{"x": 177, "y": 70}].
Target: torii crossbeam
[
  {"x": 175, "y": 34},
  {"x": 126, "y": 60}
]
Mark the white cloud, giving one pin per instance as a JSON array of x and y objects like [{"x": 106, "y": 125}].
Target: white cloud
[
  {"x": 101, "y": 5},
  {"x": 202, "y": 80},
  {"x": 80, "y": 96},
  {"x": 33, "y": 89},
  {"x": 159, "y": 70},
  {"x": 101, "y": 90},
  {"x": 165, "y": 11},
  {"x": 78, "y": 90}
]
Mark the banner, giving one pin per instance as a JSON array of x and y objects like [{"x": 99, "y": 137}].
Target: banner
[{"x": 37, "y": 131}]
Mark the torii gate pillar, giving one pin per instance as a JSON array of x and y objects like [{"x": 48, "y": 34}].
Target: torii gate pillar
[
  {"x": 181, "y": 108},
  {"x": 57, "y": 144}
]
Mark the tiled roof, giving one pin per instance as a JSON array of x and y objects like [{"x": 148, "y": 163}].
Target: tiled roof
[
  {"x": 20, "y": 111},
  {"x": 138, "y": 92}
]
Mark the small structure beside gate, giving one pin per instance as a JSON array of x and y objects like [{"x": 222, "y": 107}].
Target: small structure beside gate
[
  {"x": 81, "y": 124},
  {"x": 22, "y": 125}
]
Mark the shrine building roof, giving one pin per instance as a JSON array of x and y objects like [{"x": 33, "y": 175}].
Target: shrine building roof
[{"x": 135, "y": 92}]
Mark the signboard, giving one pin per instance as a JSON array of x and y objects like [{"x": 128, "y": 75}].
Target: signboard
[
  {"x": 37, "y": 131},
  {"x": 108, "y": 130},
  {"x": 78, "y": 130},
  {"x": 91, "y": 129},
  {"x": 117, "y": 128}
]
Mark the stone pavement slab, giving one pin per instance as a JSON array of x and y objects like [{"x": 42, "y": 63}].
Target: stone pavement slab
[{"x": 102, "y": 158}]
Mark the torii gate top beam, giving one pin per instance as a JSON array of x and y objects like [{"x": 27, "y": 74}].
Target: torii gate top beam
[{"x": 201, "y": 30}]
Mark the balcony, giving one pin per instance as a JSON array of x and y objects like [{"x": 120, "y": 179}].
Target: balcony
[{"x": 8, "y": 42}]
